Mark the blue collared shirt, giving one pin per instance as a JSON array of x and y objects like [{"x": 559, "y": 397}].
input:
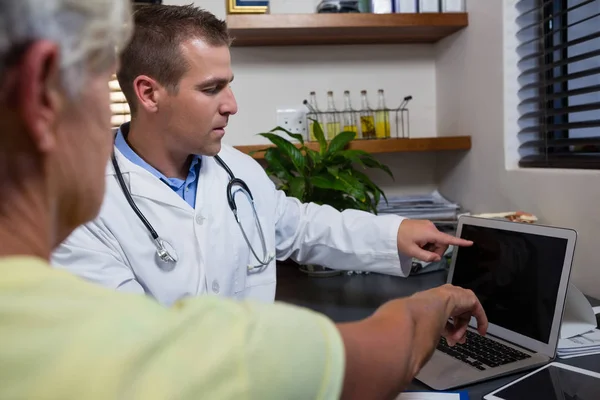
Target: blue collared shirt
[{"x": 186, "y": 189}]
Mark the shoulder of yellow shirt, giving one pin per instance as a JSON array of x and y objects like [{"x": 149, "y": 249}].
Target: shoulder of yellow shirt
[{"x": 90, "y": 342}]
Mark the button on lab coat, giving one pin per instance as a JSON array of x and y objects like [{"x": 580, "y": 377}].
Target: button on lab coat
[{"x": 117, "y": 251}]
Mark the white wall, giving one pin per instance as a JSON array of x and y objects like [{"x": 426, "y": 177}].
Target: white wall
[
  {"x": 216, "y": 7},
  {"x": 474, "y": 98},
  {"x": 270, "y": 77}
]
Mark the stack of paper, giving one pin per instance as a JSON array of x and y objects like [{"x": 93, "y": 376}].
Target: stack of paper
[
  {"x": 431, "y": 206},
  {"x": 580, "y": 345},
  {"x": 463, "y": 395}
]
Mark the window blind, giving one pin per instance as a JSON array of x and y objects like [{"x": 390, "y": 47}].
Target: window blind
[
  {"x": 118, "y": 104},
  {"x": 559, "y": 80}
]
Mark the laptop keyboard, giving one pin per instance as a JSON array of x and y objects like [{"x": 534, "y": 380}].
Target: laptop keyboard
[{"x": 481, "y": 352}]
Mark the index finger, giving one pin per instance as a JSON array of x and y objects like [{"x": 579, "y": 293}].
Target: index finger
[
  {"x": 481, "y": 318},
  {"x": 453, "y": 240}
]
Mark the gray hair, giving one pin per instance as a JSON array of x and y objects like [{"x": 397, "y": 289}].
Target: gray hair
[{"x": 88, "y": 32}]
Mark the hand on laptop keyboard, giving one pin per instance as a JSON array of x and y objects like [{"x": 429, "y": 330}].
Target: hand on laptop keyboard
[
  {"x": 388, "y": 349},
  {"x": 458, "y": 304}
]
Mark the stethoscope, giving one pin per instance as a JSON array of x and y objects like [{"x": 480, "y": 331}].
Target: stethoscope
[{"x": 166, "y": 253}]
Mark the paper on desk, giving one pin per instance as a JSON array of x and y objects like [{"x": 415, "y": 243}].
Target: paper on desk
[
  {"x": 432, "y": 206},
  {"x": 429, "y": 396},
  {"x": 578, "y": 317},
  {"x": 580, "y": 345},
  {"x": 579, "y": 355},
  {"x": 586, "y": 340}
]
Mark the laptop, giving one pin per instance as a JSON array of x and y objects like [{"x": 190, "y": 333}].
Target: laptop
[{"x": 520, "y": 273}]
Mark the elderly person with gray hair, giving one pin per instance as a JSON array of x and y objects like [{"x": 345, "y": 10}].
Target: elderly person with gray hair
[{"x": 64, "y": 338}]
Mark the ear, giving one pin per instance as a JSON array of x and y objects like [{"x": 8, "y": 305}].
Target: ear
[
  {"x": 38, "y": 92},
  {"x": 148, "y": 92}
]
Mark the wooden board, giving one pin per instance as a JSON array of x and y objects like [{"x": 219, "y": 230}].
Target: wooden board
[
  {"x": 324, "y": 29},
  {"x": 389, "y": 145}
]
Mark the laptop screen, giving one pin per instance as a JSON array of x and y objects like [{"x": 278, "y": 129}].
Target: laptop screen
[{"x": 515, "y": 275}]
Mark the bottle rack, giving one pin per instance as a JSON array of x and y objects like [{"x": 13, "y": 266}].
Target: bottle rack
[{"x": 399, "y": 125}]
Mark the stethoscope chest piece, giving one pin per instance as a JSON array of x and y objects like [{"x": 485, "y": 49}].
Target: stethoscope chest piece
[{"x": 166, "y": 256}]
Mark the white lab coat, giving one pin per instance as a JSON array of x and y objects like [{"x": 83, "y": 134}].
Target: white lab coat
[{"x": 116, "y": 250}]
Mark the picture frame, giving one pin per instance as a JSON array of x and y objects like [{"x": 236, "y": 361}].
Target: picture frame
[{"x": 247, "y": 6}]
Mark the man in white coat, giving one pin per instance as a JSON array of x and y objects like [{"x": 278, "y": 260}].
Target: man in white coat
[{"x": 176, "y": 221}]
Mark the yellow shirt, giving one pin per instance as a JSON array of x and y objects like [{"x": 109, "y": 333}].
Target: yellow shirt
[{"x": 63, "y": 338}]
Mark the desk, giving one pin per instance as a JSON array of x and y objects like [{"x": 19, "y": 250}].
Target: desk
[{"x": 349, "y": 298}]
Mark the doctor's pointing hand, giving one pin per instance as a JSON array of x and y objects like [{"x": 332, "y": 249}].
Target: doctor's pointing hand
[
  {"x": 185, "y": 215},
  {"x": 422, "y": 240}
]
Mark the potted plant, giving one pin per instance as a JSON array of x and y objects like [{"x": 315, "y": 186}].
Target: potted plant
[{"x": 332, "y": 175}]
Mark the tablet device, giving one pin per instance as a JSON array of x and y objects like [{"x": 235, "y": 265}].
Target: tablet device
[{"x": 554, "y": 381}]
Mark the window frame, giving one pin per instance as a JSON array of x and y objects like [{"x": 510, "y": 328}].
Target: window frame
[{"x": 569, "y": 152}]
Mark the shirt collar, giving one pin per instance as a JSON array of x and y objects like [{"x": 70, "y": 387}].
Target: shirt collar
[{"x": 175, "y": 183}]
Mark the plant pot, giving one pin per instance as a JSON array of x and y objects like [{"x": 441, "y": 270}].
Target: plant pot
[{"x": 318, "y": 271}]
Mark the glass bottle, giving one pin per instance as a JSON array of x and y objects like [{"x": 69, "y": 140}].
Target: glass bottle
[
  {"x": 382, "y": 117},
  {"x": 367, "y": 121},
  {"x": 364, "y": 6},
  {"x": 314, "y": 114},
  {"x": 348, "y": 117},
  {"x": 332, "y": 120}
]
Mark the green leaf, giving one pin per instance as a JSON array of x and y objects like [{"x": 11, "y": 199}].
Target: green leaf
[
  {"x": 275, "y": 165},
  {"x": 377, "y": 192},
  {"x": 376, "y": 199},
  {"x": 253, "y": 152},
  {"x": 347, "y": 157},
  {"x": 352, "y": 155},
  {"x": 334, "y": 171},
  {"x": 340, "y": 141},
  {"x": 285, "y": 161},
  {"x": 298, "y": 188},
  {"x": 365, "y": 159},
  {"x": 288, "y": 150},
  {"x": 318, "y": 131},
  {"x": 343, "y": 182},
  {"x": 327, "y": 182},
  {"x": 370, "y": 162},
  {"x": 352, "y": 203},
  {"x": 314, "y": 156},
  {"x": 296, "y": 136},
  {"x": 354, "y": 187}
]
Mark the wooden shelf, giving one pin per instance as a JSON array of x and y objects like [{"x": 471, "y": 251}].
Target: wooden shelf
[
  {"x": 388, "y": 145},
  {"x": 324, "y": 29}
]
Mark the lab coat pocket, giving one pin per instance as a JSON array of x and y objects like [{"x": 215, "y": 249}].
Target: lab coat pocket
[
  {"x": 260, "y": 283},
  {"x": 263, "y": 291},
  {"x": 256, "y": 250},
  {"x": 254, "y": 239}
]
